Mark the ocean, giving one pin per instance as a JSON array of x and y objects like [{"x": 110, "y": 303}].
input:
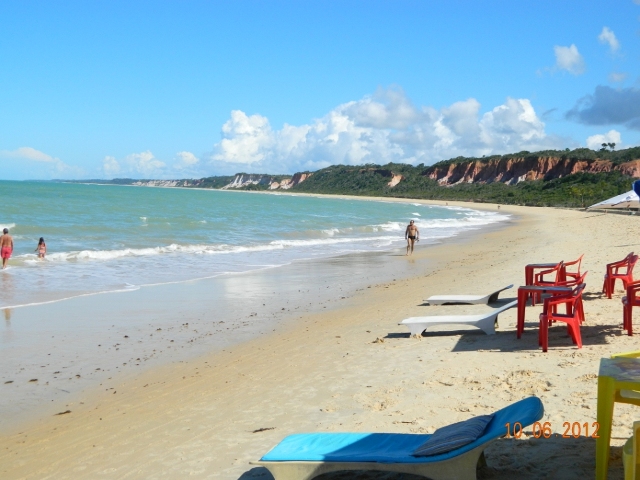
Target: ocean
[{"x": 107, "y": 238}]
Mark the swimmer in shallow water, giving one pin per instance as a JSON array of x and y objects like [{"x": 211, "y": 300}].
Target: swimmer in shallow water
[
  {"x": 411, "y": 235},
  {"x": 41, "y": 248},
  {"x": 6, "y": 247}
]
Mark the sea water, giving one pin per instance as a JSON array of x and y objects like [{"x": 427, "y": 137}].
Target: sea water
[{"x": 106, "y": 238}]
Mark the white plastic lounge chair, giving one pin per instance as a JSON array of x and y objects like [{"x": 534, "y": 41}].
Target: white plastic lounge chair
[
  {"x": 472, "y": 299},
  {"x": 307, "y": 455},
  {"x": 486, "y": 321}
]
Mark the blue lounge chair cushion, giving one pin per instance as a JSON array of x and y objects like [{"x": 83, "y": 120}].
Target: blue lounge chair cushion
[
  {"x": 393, "y": 447},
  {"x": 453, "y": 436}
]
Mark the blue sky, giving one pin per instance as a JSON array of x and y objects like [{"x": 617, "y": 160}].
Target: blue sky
[{"x": 189, "y": 89}]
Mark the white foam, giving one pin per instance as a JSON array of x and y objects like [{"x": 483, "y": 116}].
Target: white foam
[
  {"x": 324, "y": 241},
  {"x": 390, "y": 227},
  {"x": 332, "y": 236},
  {"x": 7, "y": 225}
]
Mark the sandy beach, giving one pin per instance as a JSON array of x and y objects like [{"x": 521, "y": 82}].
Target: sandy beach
[{"x": 345, "y": 365}]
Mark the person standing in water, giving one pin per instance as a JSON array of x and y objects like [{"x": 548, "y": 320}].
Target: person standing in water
[
  {"x": 6, "y": 247},
  {"x": 41, "y": 248},
  {"x": 412, "y": 235}
]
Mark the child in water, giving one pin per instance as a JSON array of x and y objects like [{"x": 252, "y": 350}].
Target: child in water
[{"x": 41, "y": 248}]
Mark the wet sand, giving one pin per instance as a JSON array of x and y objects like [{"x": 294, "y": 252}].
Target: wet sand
[{"x": 350, "y": 367}]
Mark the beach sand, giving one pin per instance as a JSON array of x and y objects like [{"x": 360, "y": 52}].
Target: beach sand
[{"x": 350, "y": 367}]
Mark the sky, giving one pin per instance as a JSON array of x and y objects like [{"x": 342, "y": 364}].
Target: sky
[{"x": 187, "y": 89}]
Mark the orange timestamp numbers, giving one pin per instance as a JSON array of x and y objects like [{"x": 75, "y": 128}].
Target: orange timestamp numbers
[{"x": 544, "y": 430}]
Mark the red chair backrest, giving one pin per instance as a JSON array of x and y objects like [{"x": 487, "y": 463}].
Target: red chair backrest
[
  {"x": 578, "y": 262},
  {"x": 571, "y": 298},
  {"x": 625, "y": 259},
  {"x": 559, "y": 270},
  {"x": 632, "y": 263},
  {"x": 581, "y": 278}
]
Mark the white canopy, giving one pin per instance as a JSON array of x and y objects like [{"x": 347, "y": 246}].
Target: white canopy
[{"x": 624, "y": 200}]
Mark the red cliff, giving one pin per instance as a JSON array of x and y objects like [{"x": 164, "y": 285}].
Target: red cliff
[{"x": 515, "y": 170}]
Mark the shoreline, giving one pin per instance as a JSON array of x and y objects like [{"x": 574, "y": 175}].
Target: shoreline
[
  {"x": 350, "y": 367},
  {"x": 29, "y": 295},
  {"x": 66, "y": 372}
]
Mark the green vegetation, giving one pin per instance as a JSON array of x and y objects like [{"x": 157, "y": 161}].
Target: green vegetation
[
  {"x": 212, "y": 182},
  {"x": 577, "y": 190},
  {"x": 616, "y": 157}
]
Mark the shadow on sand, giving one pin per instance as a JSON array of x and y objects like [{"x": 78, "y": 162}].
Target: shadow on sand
[{"x": 473, "y": 339}]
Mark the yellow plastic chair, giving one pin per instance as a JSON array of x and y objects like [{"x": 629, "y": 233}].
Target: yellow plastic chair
[
  {"x": 631, "y": 455},
  {"x": 617, "y": 382}
]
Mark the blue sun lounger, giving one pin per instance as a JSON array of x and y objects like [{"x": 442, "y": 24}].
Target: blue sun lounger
[{"x": 307, "y": 455}]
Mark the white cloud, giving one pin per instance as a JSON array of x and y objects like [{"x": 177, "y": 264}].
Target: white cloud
[
  {"x": 594, "y": 142},
  {"x": 144, "y": 163},
  {"x": 186, "y": 159},
  {"x": 245, "y": 138},
  {"x": 110, "y": 166},
  {"x": 569, "y": 59},
  {"x": 387, "y": 108},
  {"x": 509, "y": 126},
  {"x": 607, "y": 36},
  {"x": 136, "y": 164},
  {"x": 616, "y": 77},
  {"x": 384, "y": 127},
  {"x": 36, "y": 164},
  {"x": 28, "y": 153}
]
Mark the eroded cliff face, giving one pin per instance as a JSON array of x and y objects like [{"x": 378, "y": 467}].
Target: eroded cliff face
[
  {"x": 395, "y": 178},
  {"x": 245, "y": 180},
  {"x": 515, "y": 170},
  {"x": 166, "y": 183},
  {"x": 287, "y": 183}
]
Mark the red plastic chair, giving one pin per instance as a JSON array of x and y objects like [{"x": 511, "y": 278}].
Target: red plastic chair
[
  {"x": 573, "y": 282},
  {"x": 573, "y": 317},
  {"x": 573, "y": 274},
  {"x": 631, "y": 300},
  {"x": 566, "y": 283},
  {"x": 540, "y": 280},
  {"x": 622, "y": 270}
]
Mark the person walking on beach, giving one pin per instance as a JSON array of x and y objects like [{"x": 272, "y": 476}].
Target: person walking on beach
[
  {"x": 411, "y": 235},
  {"x": 41, "y": 248},
  {"x": 6, "y": 247}
]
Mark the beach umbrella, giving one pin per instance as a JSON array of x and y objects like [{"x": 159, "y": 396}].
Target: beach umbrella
[{"x": 631, "y": 199}]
